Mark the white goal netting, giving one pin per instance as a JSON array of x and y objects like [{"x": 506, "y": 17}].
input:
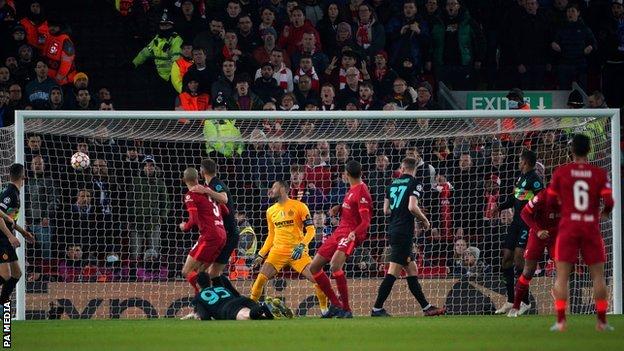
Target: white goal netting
[{"x": 108, "y": 245}]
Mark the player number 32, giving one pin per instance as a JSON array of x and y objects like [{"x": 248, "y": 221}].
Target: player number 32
[{"x": 581, "y": 195}]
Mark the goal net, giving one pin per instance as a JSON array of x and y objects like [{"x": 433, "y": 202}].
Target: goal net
[{"x": 108, "y": 243}]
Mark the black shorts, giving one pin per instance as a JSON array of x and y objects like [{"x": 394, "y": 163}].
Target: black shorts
[
  {"x": 231, "y": 243},
  {"x": 401, "y": 249},
  {"x": 517, "y": 235},
  {"x": 230, "y": 310},
  {"x": 7, "y": 253}
]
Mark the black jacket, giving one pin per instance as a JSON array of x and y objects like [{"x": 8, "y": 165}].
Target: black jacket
[{"x": 531, "y": 45}]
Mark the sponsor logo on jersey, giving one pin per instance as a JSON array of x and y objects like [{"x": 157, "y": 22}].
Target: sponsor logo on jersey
[{"x": 286, "y": 223}]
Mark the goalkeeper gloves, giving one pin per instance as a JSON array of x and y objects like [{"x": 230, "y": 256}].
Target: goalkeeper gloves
[
  {"x": 257, "y": 261},
  {"x": 298, "y": 251}
]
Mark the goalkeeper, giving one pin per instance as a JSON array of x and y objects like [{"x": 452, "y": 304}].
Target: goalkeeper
[{"x": 286, "y": 244}]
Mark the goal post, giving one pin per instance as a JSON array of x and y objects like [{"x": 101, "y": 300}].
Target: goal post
[{"x": 174, "y": 145}]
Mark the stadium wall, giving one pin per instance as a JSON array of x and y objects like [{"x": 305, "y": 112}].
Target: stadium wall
[{"x": 168, "y": 300}]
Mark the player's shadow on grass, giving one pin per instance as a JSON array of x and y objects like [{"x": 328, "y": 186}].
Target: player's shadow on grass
[{"x": 467, "y": 297}]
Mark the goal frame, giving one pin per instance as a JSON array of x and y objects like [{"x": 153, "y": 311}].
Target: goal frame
[{"x": 22, "y": 115}]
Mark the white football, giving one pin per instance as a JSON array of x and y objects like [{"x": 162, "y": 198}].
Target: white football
[{"x": 80, "y": 161}]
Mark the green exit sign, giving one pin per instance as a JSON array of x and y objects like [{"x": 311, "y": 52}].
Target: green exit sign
[{"x": 497, "y": 100}]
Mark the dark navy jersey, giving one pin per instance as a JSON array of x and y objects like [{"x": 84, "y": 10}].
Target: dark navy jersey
[
  {"x": 9, "y": 204},
  {"x": 525, "y": 189},
  {"x": 399, "y": 193},
  {"x": 217, "y": 185},
  {"x": 211, "y": 302}
]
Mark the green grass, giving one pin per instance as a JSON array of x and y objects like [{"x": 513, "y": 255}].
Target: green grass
[{"x": 360, "y": 334}]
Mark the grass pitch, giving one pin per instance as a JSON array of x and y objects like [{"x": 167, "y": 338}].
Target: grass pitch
[{"x": 439, "y": 333}]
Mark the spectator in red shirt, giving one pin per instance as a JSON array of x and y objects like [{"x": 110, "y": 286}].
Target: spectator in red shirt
[
  {"x": 292, "y": 34},
  {"x": 301, "y": 190},
  {"x": 317, "y": 171},
  {"x": 263, "y": 52}
]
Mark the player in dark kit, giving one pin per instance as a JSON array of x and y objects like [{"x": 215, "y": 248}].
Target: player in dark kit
[
  {"x": 579, "y": 187},
  {"x": 542, "y": 217},
  {"x": 355, "y": 218},
  {"x": 205, "y": 214},
  {"x": 220, "y": 303},
  {"x": 401, "y": 203},
  {"x": 527, "y": 186},
  {"x": 219, "y": 192},
  {"x": 10, "y": 272}
]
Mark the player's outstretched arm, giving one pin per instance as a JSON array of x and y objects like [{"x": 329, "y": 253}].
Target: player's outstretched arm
[
  {"x": 187, "y": 226},
  {"x": 386, "y": 207},
  {"x": 528, "y": 215},
  {"x": 220, "y": 197},
  {"x": 308, "y": 225},
  {"x": 6, "y": 231},
  {"x": 417, "y": 212},
  {"x": 268, "y": 243}
]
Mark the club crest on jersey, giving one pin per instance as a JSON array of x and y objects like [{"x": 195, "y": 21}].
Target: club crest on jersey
[
  {"x": 291, "y": 213},
  {"x": 363, "y": 201},
  {"x": 54, "y": 48}
]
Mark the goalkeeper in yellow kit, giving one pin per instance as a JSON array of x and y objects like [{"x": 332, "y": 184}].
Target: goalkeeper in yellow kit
[{"x": 286, "y": 244}]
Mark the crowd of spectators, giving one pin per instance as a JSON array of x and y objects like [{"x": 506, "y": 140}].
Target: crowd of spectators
[
  {"x": 37, "y": 67},
  {"x": 118, "y": 216},
  {"x": 360, "y": 55}
]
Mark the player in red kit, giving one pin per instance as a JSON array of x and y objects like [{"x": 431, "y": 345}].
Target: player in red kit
[
  {"x": 542, "y": 217},
  {"x": 205, "y": 214},
  {"x": 355, "y": 217},
  {"x": 579, "y": 186}
]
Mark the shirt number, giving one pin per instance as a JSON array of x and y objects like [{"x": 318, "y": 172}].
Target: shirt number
[
  {"x": 215, "y": 207},
  {"x": 212, "y": 296},
  {"x": 581, "y": 196},
  {"x": 396, "y": 195}
]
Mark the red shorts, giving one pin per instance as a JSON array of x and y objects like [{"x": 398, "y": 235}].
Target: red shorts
[
  {"x": 337, "y": 243},
  {"x": 586, "y": 239},
  {"x": 535, "y": 246},
  {"x": 207, "y": 248}
]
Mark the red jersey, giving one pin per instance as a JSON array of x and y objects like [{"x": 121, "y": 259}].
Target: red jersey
[
  {"x": 579, "y": 187},
  {"x": 541, "y": 214},
  {"x": 356, "y": 212},
  {"x": 205, "y": 214}
]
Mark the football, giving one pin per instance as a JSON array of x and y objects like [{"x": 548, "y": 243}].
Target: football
[{"x": 80, "y": 161}]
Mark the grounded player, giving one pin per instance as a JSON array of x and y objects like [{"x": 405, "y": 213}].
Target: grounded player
[
  {"x": 10, "y": 271},
  {"x": 220, "y": 303},
  {"x": 355, "y": 217},
  {"x": 219, "y": 192},
  {"x": 578, "y": 187},
  {"x": 286, "y": 244},
  {"x": 206, "y": 215},
  {"x": 542, "y": 217},
  {"x": 401, "y": 203},
  {"x": 527, "y": 186}
]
